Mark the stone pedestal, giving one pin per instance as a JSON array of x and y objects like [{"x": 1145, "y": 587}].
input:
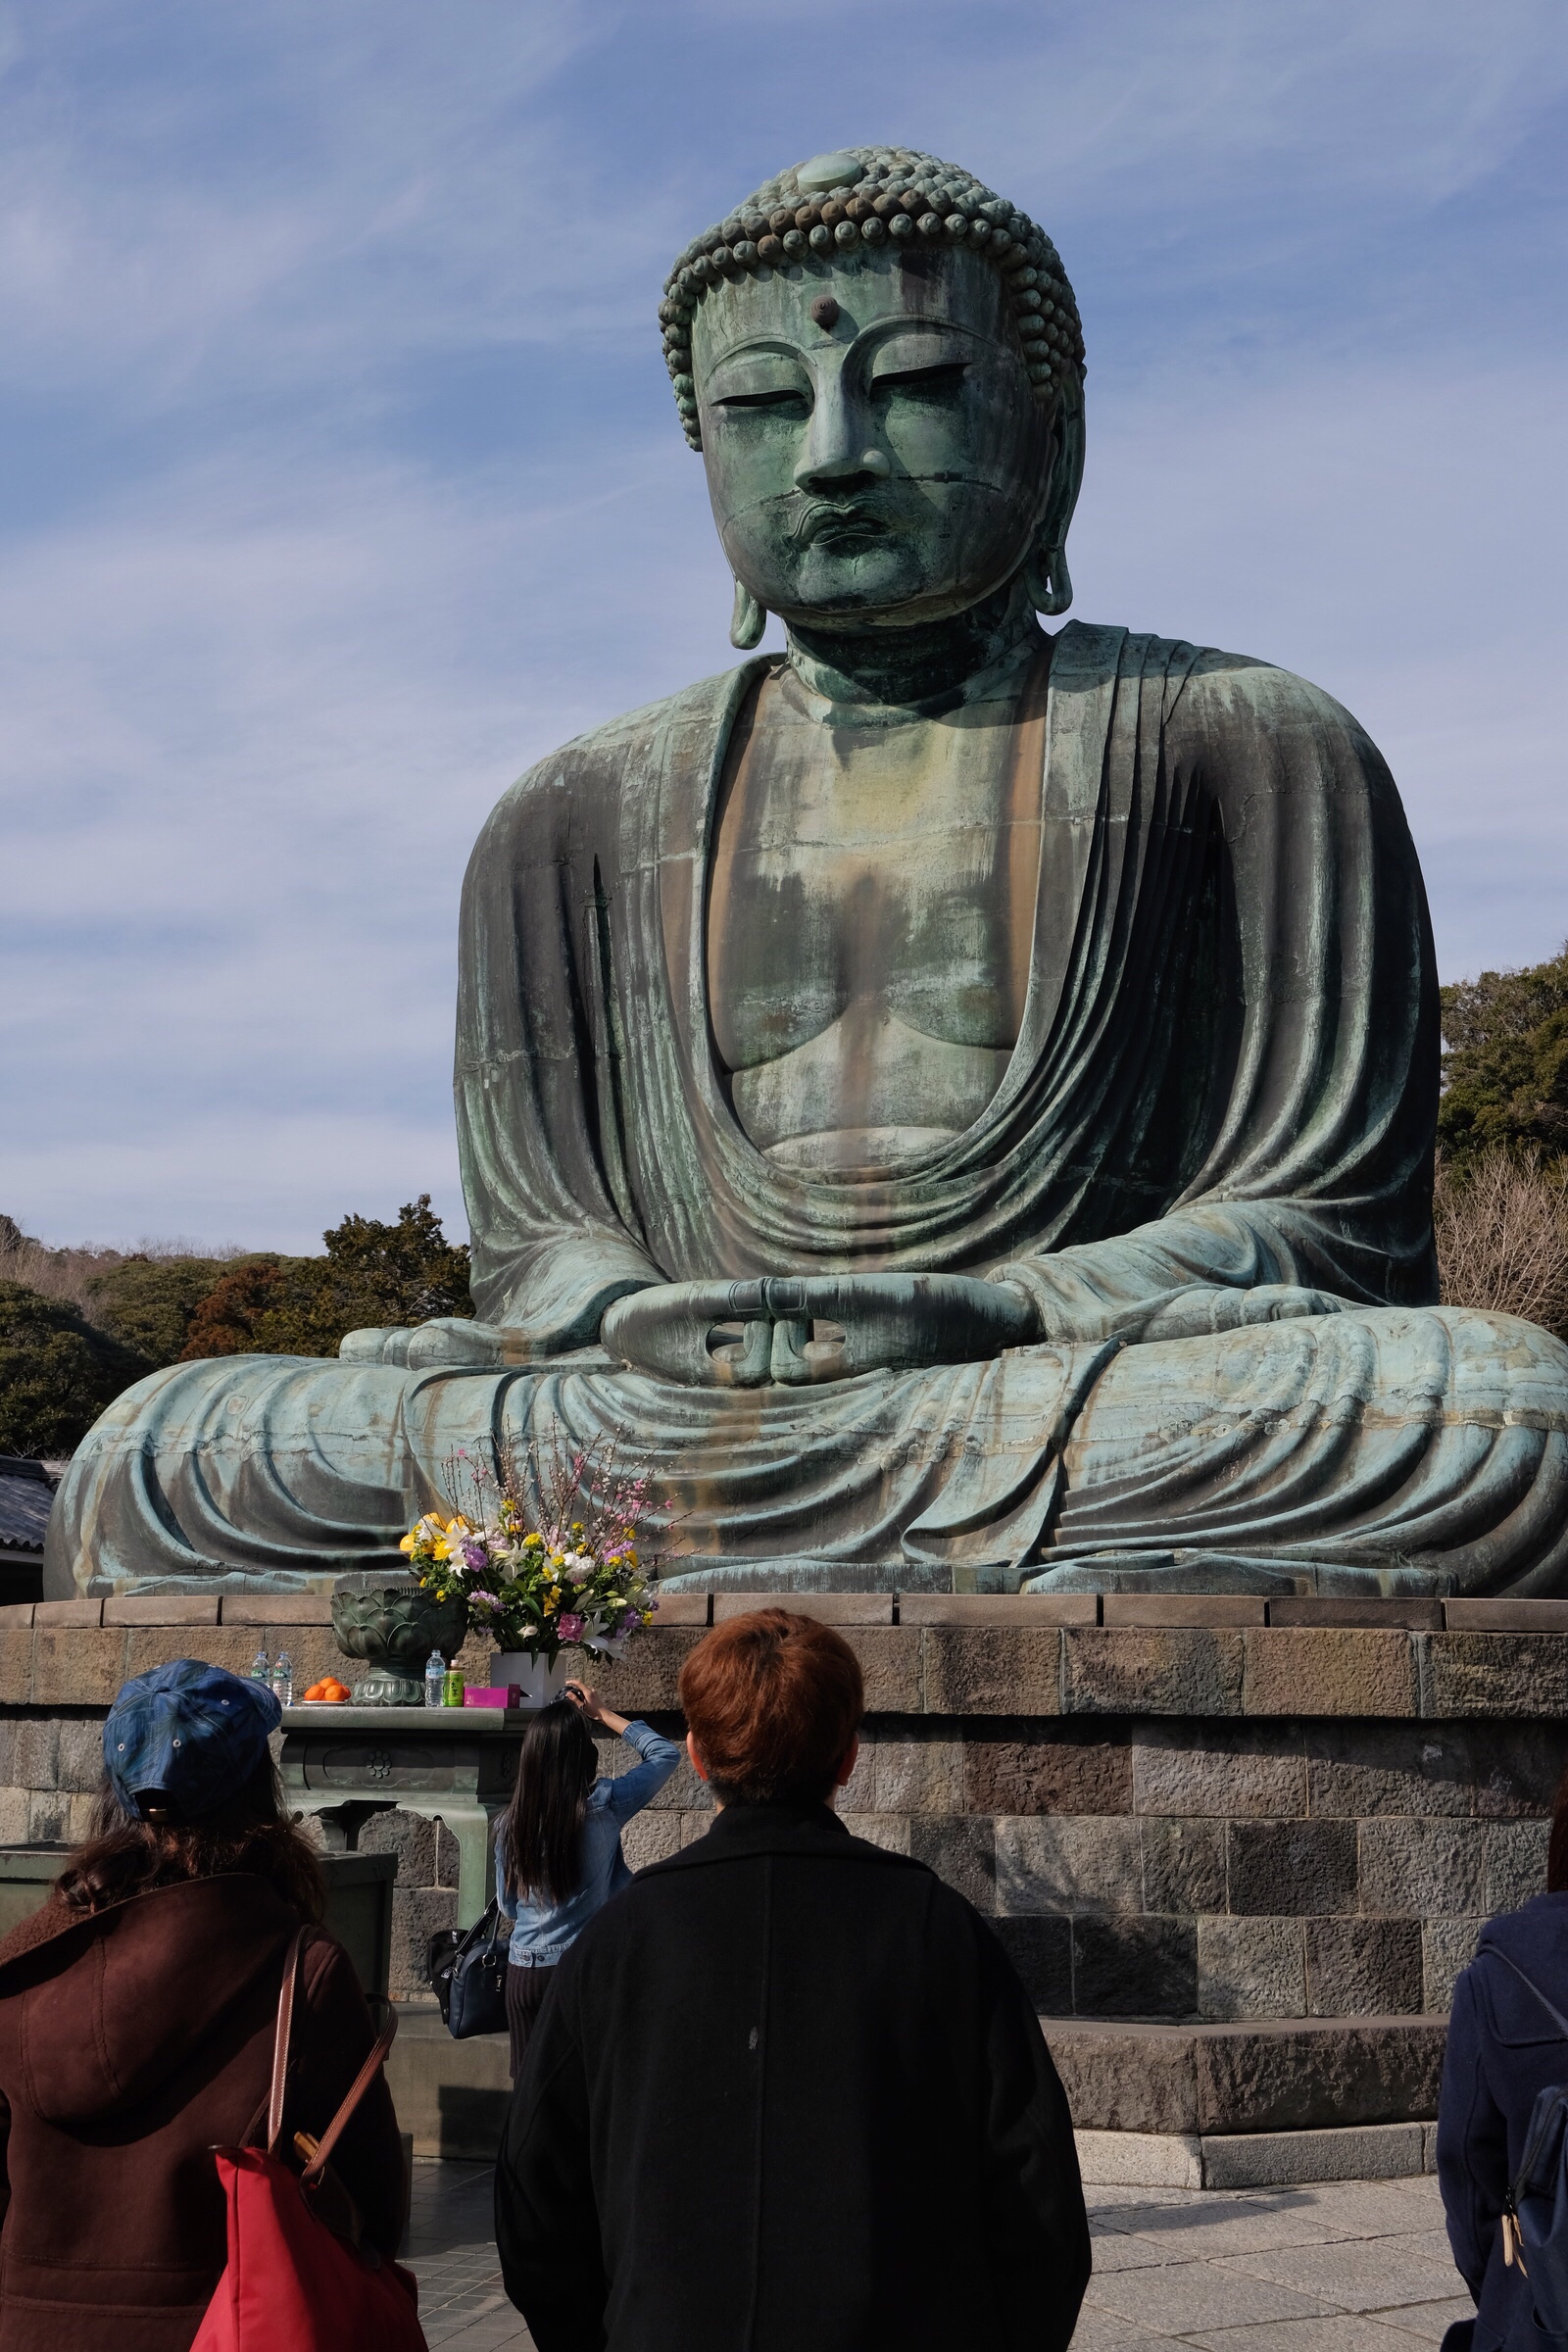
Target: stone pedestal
[{"x": 1238, "y": 1849}]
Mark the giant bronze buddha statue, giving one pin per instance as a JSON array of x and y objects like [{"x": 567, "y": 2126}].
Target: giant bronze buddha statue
[{"x": 957, "y": 1097}]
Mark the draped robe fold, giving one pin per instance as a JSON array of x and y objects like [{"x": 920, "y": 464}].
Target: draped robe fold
[{"x": 1226, "y": 1077}]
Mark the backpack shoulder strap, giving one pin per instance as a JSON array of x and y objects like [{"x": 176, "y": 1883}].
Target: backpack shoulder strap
[{"x": 1557, "y": 2016}]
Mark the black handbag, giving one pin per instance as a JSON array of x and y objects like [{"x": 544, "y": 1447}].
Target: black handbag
[{"x": 469, "y": 1974}]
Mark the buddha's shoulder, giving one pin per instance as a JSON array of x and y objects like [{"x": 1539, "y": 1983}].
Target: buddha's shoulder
[
  {"x": 1206, "y": 690},
  {"x": 627, "y": 752}
]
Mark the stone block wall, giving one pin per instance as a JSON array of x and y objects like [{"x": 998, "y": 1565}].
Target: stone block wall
[
  {"x": 1135, "y": 1868},
  {"x": 1173, "y": 1809},
  {"x": 424, "y": 1898}
]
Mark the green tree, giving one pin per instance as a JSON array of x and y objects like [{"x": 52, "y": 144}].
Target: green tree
[
  {"x": 147, "y": 1302},
  {"x": 372, "y": 1273},
  {"x": 57, "y": 1373},
  {"x": 408, "y": 1272},
  {"x": 1505, "y": 1065}
]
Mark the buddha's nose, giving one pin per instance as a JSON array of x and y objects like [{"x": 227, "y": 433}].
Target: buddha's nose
[
  {"x": 842, "y": 472},
  {"x": 838, "y": 456}
]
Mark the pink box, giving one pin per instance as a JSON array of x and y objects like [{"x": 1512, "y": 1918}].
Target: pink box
[{"x": 492, "y": 1694}]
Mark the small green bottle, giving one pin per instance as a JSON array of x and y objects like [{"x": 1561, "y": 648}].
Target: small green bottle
[{"x": 452, "y": 1689}]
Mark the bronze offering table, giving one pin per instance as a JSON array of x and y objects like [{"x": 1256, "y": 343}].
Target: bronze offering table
[{"x": 451, "y": 1764}]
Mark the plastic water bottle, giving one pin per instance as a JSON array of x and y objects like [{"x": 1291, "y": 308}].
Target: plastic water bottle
[
  {"x": 262, "y": 1667},
  {"x": 283, "y": 1679},
  {"x": 435, "y": 1675}
]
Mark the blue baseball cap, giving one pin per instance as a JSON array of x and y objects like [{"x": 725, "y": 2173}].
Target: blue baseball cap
[{"x": 192, "y": 1731}]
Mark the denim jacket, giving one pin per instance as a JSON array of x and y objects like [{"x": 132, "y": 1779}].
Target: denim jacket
[{"x": 543, "y": 1933}]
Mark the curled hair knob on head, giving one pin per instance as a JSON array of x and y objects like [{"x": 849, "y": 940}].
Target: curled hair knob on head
[{"x": 865, "y": 195}]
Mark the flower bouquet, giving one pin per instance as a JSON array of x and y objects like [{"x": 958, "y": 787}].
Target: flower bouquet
[{"x": 543, "y": 1562}]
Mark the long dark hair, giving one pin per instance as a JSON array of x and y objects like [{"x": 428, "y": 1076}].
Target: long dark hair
[
  {"x": 541, "y": 1830},
  {"x": 124, "y": 1856},
  {"x": 1558, "y": 1845}
]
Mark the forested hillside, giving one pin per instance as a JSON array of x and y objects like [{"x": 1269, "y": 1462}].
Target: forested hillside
[{"x": 77, "y": 1326}]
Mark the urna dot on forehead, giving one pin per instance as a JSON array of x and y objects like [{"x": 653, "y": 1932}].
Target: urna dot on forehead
[{"x": 850, "y": 199}]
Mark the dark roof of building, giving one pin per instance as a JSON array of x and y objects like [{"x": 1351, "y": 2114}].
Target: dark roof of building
[{"x": 26, "y": 1491}]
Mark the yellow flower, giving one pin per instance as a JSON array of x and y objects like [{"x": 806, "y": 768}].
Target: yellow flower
[{"x": 410, "y": 1542}]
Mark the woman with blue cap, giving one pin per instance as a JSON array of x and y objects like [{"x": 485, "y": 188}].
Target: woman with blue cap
[{"x": 137, "y": 2011}]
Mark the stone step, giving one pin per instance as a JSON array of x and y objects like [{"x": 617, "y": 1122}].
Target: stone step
[
  {"x": 1254, "y": 2159},
  {"x": 1172, "y": 2106},
  {"x": 1288, "y": 2074}
]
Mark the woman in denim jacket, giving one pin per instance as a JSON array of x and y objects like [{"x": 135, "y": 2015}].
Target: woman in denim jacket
[{"x": 558, "y": 1844}]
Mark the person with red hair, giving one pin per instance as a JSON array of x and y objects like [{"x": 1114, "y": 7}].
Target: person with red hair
[{"x": 787, "y": 2090}]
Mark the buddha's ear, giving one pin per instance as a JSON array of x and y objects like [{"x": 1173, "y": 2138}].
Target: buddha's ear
[
  {"x": 1045, "y": 576},
  {"x": 748, "y": 620}
]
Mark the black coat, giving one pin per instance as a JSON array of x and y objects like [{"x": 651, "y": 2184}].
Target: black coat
[
  {"x": 1503, "y": 2050},
  {"x": 787, "y": 2094}
]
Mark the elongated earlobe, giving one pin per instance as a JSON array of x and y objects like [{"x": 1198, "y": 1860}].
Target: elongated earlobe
[
  {"x": 1048, "y": 579},
  {"x": 748, "y": 620}
]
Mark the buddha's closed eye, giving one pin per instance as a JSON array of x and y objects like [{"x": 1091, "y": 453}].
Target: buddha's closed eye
[
  {"x": 939, "y": 382},
  {"x": 787, "y": 399}
]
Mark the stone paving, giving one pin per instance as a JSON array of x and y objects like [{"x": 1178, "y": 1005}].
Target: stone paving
[
  {"x": 1354, "y": 2265},
  {"x": 452, "y": 2249}
]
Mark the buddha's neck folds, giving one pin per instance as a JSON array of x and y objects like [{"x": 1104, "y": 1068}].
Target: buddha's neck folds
[{"x": 876, "y": 673}]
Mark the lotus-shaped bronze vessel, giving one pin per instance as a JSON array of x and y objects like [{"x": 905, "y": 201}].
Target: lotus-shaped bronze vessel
[{"x": 394, "y": 1632}]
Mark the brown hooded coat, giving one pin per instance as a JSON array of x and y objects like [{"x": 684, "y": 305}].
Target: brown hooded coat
[{"x": 130, "y": 2045}]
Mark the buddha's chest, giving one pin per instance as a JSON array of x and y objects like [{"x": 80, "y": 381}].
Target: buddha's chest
[{"x": 870, "y": 921}]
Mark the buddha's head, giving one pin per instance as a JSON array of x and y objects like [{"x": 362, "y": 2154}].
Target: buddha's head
[{"x": 881, "y": 363}]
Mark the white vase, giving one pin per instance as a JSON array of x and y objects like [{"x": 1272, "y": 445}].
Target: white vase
[{"x": 537, "y": 1680}]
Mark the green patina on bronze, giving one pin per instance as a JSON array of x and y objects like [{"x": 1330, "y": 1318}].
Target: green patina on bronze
[
  {"x": 821, "y": 215},
  {"x": 958, "y": 1100}
]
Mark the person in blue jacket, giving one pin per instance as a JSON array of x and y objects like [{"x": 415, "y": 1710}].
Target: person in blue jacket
[
  {"x": 1503, "y": 2048},
  {"x": 558, "y": 1844}
]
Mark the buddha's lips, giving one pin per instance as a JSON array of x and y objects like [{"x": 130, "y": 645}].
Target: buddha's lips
[{"x": 849, "y": 521}]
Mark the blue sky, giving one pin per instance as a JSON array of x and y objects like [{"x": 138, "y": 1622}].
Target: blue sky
[{"x": 340, "y": 480}]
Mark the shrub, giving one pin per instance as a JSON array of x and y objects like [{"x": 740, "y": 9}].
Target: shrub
[
  {"x": 225, "y": 1321},
  {"x": 57, "y": 1373},
  {"x": 1502, "y": 1224},
  {"x": 147, "y": 1302}
]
